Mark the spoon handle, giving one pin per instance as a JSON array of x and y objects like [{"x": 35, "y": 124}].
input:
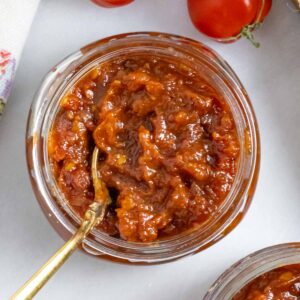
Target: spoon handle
[{"x": 92, "y": 216}]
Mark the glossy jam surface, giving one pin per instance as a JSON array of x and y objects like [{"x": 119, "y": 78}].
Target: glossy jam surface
[
  {"x": 279, "y": 284},
  {"x": 168, "y": 140}
]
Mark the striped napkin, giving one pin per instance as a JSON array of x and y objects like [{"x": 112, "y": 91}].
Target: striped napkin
[{"x": 15, "y": 20}]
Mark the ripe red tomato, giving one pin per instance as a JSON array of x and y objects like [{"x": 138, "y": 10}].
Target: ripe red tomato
[
  {"x": 225, "y": 19},
  {"x": 112, "y": 3}
]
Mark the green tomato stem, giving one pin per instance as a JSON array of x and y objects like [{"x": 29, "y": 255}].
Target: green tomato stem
[{"x": 247, "y": 32}]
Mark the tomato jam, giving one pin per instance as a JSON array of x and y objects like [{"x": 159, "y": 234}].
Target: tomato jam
[
  {"x": 279, "y": 284},
  {"x": 168, "y": 141}
]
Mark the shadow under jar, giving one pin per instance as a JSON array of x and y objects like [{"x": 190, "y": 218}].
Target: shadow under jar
[
  {"x": 272, "y": 273},
  {"x": 193, "y": 57}
]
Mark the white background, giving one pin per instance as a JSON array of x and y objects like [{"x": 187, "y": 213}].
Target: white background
[{"x": 271, "y": 76}]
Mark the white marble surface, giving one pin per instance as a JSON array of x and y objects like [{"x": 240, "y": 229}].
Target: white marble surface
[{"x": 271, "y": 75}]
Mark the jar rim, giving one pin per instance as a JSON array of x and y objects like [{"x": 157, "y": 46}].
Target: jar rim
[
  {"x": 181, "y": 244},
  {"x": 252, "y": 266}
]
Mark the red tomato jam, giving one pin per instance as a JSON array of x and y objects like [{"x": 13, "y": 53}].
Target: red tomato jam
[
  {"x": 279, "y": 284},
  {"x": 169, "y": 146}
]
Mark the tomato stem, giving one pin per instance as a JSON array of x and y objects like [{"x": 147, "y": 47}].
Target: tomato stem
[{"x": 247, "y": 32}]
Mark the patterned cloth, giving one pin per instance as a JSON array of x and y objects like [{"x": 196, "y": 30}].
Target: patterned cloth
[
  {"x": 15, "y": 19},
  {"x": 7, "y": 71}
]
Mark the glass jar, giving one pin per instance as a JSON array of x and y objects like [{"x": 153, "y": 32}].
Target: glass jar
[
  {"x": 217, "y": 73},
  {"x": 252, "y": 266}
]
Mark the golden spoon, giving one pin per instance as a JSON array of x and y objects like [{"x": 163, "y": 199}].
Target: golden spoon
[{"x": 93, "y": 216}]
